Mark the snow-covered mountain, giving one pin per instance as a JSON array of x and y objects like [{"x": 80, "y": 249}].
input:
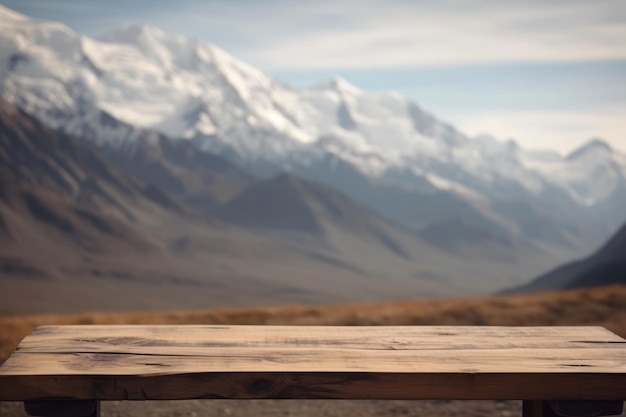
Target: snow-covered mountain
[{"x": 381, "y": 148}]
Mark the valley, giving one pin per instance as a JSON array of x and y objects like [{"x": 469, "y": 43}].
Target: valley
[{"x": 142, "y": 170}]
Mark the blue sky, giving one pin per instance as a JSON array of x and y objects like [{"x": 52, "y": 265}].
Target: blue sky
[{"x": 550, "y": 74}]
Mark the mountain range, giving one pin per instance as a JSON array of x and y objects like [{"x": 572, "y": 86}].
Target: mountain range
[
  {"x": 197, "y": 151},
  {"x": 382, "y": 149},
  {"x": 80, "y": 229}
]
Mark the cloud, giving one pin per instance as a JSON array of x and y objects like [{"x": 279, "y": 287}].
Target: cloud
[
  {"x": 346, "y": 34},
  {"x": 356, "y": 34},
  {"x": 559, "y": 130}
]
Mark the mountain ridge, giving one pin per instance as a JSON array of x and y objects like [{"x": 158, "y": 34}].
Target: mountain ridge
[
  {"x": 606, "y": 266},
  {"x": 72, "y": 202},
  {"x": 109, "y": 91},
  {"x": 77, "y": 226}
]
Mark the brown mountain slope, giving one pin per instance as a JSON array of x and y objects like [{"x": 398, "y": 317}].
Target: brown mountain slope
[
  {"x": 468, "y": 239},
  {"x": 107, "y": 240},
  {"x": 605, "y": 267},
  {"x": 312, "y": 215},
  {"x": 64, "y": 221},
  {"x": 292, "y": 204},
  {"x": 77, "y": 231},
  {"x": 43, "y": 157},
  {"x": 281, "y": 203},
  {"x": 200, "y": 179}
]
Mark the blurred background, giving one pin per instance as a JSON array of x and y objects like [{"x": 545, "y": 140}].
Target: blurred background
[{"x": 326, "y": 162}]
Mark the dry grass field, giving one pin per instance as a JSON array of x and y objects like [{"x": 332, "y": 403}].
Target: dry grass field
[{"x": 605, "y": 306}]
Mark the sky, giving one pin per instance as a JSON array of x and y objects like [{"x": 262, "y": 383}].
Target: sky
[{"x": 548, "y": 74}]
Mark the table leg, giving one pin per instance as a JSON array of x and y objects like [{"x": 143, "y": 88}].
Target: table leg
[
  {"x": 583, "y": 408},
  {"x": 532, "y": 408},
  {"x": 577, "y": 408},
  {"x": 62, "y": 408}
]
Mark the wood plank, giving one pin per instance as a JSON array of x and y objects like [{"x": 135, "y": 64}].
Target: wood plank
[
  {"x": 242, "y": 332},
  {"x": 296, "y": 385},
  {"x": 408, "y": 362},
  {"x": 566, "y": 361},
  {"x": 64, "y": 408},
  {"x": 190, "y": 339}
]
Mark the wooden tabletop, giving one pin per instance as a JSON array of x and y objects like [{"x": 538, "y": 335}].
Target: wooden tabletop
[{"x": 400, "y": 362}]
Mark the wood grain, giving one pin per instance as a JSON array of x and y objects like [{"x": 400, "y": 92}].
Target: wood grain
[{"x": 400, "y": 362}]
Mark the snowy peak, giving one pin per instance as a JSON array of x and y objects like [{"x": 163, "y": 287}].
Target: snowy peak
[
  {"x": 593, "y": 174},
  {"x": 176, "y": 52},
  {"x": 339, "y": 85},
  {"x": 133, "y": 34},
  {"x": 187, "y": 89},
  {"x": 7, "y": 15},
  {"x": 167, "y": 51},
  {"x": 594, "y": 146},
  {"x": 24, "y": 39}
]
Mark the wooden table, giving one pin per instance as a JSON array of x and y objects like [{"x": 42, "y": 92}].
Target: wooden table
[{"x": 70, "y": 369}]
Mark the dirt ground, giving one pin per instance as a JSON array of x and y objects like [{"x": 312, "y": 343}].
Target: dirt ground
[{"x": 297, "y": 408}]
